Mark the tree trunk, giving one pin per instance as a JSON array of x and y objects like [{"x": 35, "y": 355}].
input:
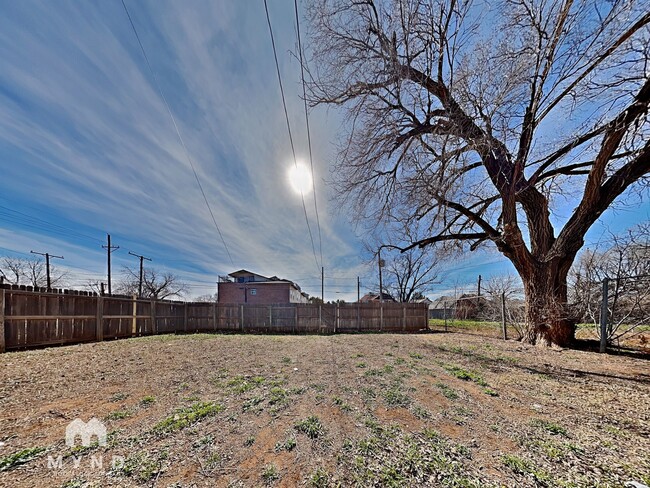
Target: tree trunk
[{"x": 548, "y": 319}]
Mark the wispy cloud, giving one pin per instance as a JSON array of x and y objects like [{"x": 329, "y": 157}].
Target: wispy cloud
[{"x": 82, "y": 123}]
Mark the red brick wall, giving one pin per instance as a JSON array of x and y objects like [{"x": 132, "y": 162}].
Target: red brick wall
[{"x": 266, "y": 293}]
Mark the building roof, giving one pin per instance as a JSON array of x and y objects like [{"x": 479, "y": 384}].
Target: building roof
[
  {"x": 263, "y": 279},
  {"x": 372, "y": 297}
]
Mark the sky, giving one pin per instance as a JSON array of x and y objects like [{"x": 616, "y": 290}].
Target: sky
[{"x": 87, "y": 147}]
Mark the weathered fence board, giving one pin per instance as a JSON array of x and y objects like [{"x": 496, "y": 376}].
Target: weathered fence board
[{"x": 31, "y": 318}]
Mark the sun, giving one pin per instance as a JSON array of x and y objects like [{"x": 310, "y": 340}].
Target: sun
[{"x": 300, "y": 178}]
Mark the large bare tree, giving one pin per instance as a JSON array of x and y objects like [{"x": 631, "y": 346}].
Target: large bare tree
[
  {"x": 155, "y": 284},
  {"x": 482, "y": 120}
]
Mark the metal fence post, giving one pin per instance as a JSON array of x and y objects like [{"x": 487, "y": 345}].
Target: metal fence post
[
  {"x": 3, "y": 345},
  {"x": 503, "y": 316},
  {"x": 603, "y": 316},
  {"x": 444, "y": 304}
]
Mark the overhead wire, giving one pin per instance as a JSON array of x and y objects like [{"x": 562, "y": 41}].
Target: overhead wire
[
  {"x": 311, "y": 159},
  {"x": 286, "y": 115},
  {"x": 171, "y": 115}
]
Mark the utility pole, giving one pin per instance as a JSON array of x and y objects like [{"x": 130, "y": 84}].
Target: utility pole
[
  {"x": 142, "y": 258},
  {"x": 322, "y": 284},
  {"x": 358, "y": 290},
  {"x": 109, "y": 250},
  {"x": 380, "y": 264},
  {"x": 47, "y": 265}
]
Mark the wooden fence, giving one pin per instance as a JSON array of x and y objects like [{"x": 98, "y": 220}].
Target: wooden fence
[{"x": 32, "y": 318}]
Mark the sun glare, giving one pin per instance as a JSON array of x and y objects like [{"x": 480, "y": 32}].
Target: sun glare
[{"x": 300, "y": 178}]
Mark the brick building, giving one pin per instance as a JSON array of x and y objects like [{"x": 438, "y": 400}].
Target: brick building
[{"x": 246, "y": 287}]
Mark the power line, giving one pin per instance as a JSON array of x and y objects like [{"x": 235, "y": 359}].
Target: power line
[
  {"x": 171, "y": 115},
  {"x": 311, "y": 159},
  {"x": 286, "y": 116}
]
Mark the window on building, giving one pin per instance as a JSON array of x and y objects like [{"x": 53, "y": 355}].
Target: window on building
[{"x": 253, "y": 291}]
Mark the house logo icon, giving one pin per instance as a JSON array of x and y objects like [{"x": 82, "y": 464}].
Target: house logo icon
[{"x": 79, "y": 428}]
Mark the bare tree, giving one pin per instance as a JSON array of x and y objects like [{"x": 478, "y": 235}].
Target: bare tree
[
  {"x": 504, "y": 290},
  {"x": 478, "y": 120},
  {"x": 155, "y": 284},
  {"x": 410, "y": 273},
  {"x": 30, "y": 272},
  {"x": 206, "y": 298},
  {"x": 626, "y": 263}
]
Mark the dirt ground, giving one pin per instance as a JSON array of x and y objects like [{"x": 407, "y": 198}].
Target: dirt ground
[{"x": 438, "y": 409}]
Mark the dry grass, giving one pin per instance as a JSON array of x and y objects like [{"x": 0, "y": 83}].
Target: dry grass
[{"x": 450, "y": 410}]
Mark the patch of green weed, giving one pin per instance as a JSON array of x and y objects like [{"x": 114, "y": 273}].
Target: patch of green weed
[
  {"x": 311, "y": 426},
  {"x": 187, "y": 416},
  {"x": 21, "y": 457}
]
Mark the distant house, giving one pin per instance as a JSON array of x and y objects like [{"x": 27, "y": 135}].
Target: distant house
[
  {"x": 442, "y": 307},
  {"x": 375, "y": 298},
  {"x": 469, "y": 307},
  {"x": 244, "y": 286}
]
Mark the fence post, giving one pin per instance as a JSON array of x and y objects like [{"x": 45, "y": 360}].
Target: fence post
[
  {"x": 214, "y": 315},
  {"x": 444, "y": 304},
  {"x": 603, "y": 317},
  {"x": 404, "y": 318},
  {"x": 338, "y": 315},
  {"x": 154, "y": 326},
  {"x": 99, "y": 324},
  {"x": 270, "y": 316},
  {"x": 185, "y": 316},
  {"x": 3, "y": 345},
  {"x": 241, "y": 317},
  {"x": 381, "y": 316},
  {"x": 359, "y": 316},
  {"x": 503, "y": 316},
  {"x": 320, "y": 318},
  {"x": 134, "y": 317},
  {"x": 295, "y": 329}
]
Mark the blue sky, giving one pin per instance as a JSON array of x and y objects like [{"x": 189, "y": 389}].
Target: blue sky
[{"x": 87, "y": 146}]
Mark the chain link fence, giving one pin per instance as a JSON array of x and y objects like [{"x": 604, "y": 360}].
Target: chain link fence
[{"x": 615, "y": 313}]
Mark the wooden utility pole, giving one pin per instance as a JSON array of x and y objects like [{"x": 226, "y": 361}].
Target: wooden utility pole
[
  {"x": 109, "y": 250},
  {"x": 322, "y": 284},
  {"x": 47, "y": 265},
  {"x": 142, "y": 258},
  {"x": 380, "y": 264}
]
